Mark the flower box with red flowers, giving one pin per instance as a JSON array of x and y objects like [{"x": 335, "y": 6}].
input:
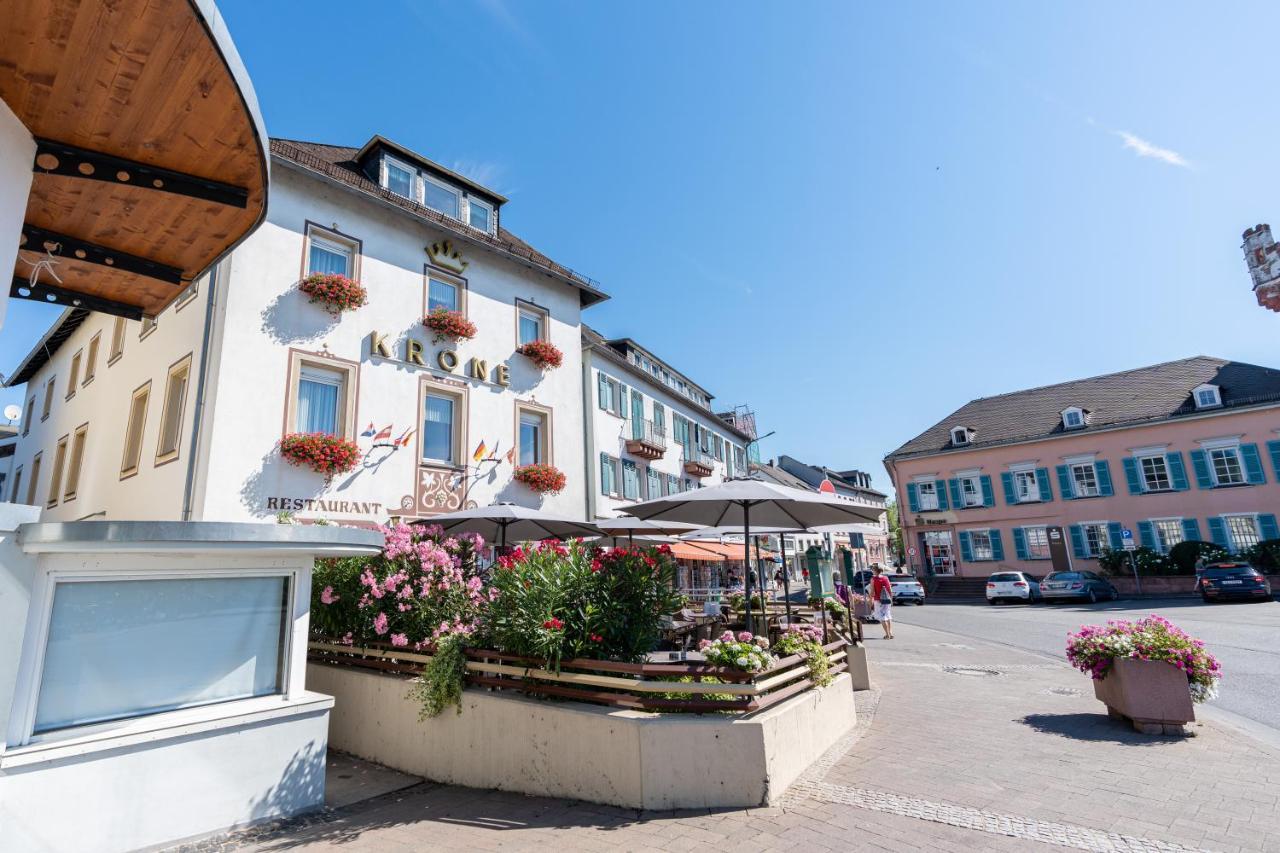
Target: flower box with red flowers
[
  {"x": 323, "y": 453},
  {"x": 543, "y": 479},
  {"x": 336, "y": 293},
  {"x": 446, "y": 325},
  {"x": 542, "y": 353}
]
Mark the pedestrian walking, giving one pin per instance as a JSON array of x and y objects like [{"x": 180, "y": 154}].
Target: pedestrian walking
[{"x": 882, "y": 592}]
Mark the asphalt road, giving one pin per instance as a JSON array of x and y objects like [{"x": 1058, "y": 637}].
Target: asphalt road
[{"x": 1244, "y": 637}]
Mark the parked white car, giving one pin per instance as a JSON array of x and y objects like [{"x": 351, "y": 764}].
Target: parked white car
[
  {"x": 1012, "y": 586},
  {"x": 906, "y": 589}
]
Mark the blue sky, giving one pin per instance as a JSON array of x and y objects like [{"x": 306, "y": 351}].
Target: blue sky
[{"x": 853, "y": 217}]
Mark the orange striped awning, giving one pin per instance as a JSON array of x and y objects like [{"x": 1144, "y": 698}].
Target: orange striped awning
[{"x": 702, "y": 551}]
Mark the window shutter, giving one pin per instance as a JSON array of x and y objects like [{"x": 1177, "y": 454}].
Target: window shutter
[
  {"x": 1252, "y": 463},
  {"x": 1200, "y": 464},
  {"x": 1147, "y": 535},
  {"x": 1102, "y": 470},
  {"x": 1273, "y": 448},
  {"x": 1042, "y": 480},
  {"x": 957, "y": 500},
  {"x": 997, "y": 546},
  {"x": 1113, "y": 533},
  {"x": 1191, "y": 530},
  {"x": 1006, "y": 480},
  {"x": 966, "y": 546},
  {"x": 1132, "y": 480},
  {"x": 1064, "y": 483},
  {"x": 1177, "y": 471},
  {"x": 606, "y": 474},
  {"x": 989, "y": 496},
  {"x": 940, "y": 489},
  {"x": 1077, "y": 542},
  {"x": 1267, "y": 527},
  {"x": 913, "y": 497},
  {"x": 602, "y": 391},
  {"x": 1020, "y": 544},
  {"x": 1218, "y": 532}
]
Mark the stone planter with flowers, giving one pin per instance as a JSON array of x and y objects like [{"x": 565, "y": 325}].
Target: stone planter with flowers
[{"x": 335, "y": 293}]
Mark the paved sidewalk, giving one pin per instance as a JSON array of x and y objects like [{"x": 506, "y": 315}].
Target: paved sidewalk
[{"x": 964, "y": 746}]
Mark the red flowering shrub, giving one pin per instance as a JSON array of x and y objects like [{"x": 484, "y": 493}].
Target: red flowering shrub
[
  {"x": 542, "y": 353},
  {"x": 323, "y": 453},
  {"x": 543, "y": 479},
  {"x": 336, "y": 293},
  {"x": 446, "y": 325}
]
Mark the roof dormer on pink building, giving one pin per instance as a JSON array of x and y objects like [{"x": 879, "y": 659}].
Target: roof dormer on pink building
[{"x": 1187, "y": 450}]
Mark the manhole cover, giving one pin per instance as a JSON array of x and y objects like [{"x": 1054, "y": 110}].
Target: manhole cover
[
  {"x": 1063, "y": 691},
  {"x": 973, "y": 671}
]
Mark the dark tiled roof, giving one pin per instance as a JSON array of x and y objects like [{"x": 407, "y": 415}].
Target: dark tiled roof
[
  {"x": 338, "y": 163},
  {"x": 813, "y": 475},
  {"x": 68, "y": 321},
  {"x": 1132, "y": 397}
]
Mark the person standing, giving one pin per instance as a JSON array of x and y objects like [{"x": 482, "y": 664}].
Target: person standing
[{"x": 882, "y": 594}]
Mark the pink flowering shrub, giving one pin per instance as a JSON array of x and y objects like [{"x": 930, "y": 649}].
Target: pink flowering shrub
[
  {"x": 744, "y": 651},
  {"x": 1095, "y": 647}
]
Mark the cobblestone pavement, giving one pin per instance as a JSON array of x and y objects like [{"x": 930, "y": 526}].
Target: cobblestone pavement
[{"x": 963, "y": 746}]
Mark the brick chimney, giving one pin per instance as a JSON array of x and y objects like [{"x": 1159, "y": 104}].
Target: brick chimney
[{"x": 1262, "y": 256}]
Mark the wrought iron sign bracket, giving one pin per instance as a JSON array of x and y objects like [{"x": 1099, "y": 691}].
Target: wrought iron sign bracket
[
  {"x": 59, "y": 158},
  {"x": 40, "y": 240},
  {"x": 53, "y": 295}
]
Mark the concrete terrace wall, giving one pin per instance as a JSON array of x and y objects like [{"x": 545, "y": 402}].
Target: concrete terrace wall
[{"x": 565, "y": 749}]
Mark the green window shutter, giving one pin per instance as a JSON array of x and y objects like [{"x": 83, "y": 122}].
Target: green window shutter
[
  {"x": 1131, "y": 477},
  {"x": 966, "y": 546},
  {"x": 1190, "y": 530},
  {"x": 1177, "y": 471},
  {"x": 1114, "y": 534},
  {"x": 940, "y": 489},
  {"x": 1065, "y": 486},
  {"x": 1102, "y": 470},
  {"x": 913, "y": 497},
  {"x": 1147, "y": 535},
  {"x": 1200, "y": 464},
  {"x": 602, "y": 391},
  {"x": 1252, "y": 463},
  {"x": 957, "y": 500},
  {"x": 997, "y": 545},
  {"x": 1218, "y": 532},
  {"x": 1042, "y": 480},
  {"x": 1006, "y": 480},
  {"x": 1267, "y": 527},
  {"x": 606, "y": 475},
  {"x": 1077, "y": 542},
  {"x": 1273, "y": 448},
  {"x": 988, "y": 494},
  {"x": 1020, "y": 544}
]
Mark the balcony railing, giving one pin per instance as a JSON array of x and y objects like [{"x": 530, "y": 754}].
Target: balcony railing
[
  {"x": 648, "y": 440},
  {"x": 698, "y": 462}
]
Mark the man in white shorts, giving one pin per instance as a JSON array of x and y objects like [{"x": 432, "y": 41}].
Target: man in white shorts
[{"x": 882, "y": 595}]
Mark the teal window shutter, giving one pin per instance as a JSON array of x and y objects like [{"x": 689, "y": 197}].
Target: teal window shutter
[
  {"x": 997, "y": 546},
  {"x": 940, "y": 489},
  {"x": 1177, "y": 471},
  {"x": 1064, "y": 483},
  {"x": 1200, "y": 464},
  {"x": 1267, "y": 527},
  {"x": 1077, "y": 542},
  {"x": 1191, "y": 530},
  {"x": 1020, "y": 544},
  {"x": 1102, "y": 470},
  {"x": 956, "y": 500},
  {"x": 1252, "y": 461},
  {"x": 1113, "y": 533},
  {"x": 1006, "y": 480},
  {"x": 1147, "y": 534},
  {"x": 989, "y": 495},
  {"x": 1046, "y": 488},
  {"x": 1218, "y": 532},
  {"x": 966, "y": 546},
  {"x": 606, "y": 475},
  {"x": 602, "y": 391},
  {"x": 1273, "y": 448},
  {"x": 913, "y": 497},
  {"x": 1132, "y": 480}
]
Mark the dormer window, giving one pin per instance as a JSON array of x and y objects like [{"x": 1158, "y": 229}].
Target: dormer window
[
  {"x": 480, "y": 215},
  {"x": 1073, "y": 418},
  {"x": 1207, "y": 396},
  {"x": 960, "y": 436},
  {"x": 441, "y": 197},
  {"x": 399, "y": 178}
]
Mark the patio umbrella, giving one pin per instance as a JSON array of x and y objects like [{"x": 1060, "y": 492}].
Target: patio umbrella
[
  {"x": 721, "y": 532},
  {"x": 502, "y": 521},
  {"x": 739, "y": 502},
  {"x": 632, "y": 527}
]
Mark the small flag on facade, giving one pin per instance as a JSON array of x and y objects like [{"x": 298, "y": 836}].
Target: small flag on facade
[
  {"x": 511, "y": 454},
  {"x": 493, "y": 454},
  {"x": 403, "y": 441},
  {"x": 370, "y": 431},
  {"x": 385, "y": 432},
  {"x": 479, "y": 454}
]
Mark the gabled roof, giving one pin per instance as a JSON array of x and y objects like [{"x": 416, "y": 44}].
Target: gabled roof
[
  {"x": 1129, "y": 398},
  {"x": 339, "y": 163},
  {"x": 68, "y": 321},
  {"x": 813, "y": 475},
  {"x": 431, "y": 165}
]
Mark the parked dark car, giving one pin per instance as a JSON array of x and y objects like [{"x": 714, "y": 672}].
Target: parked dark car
[
  {"x": 1222, "y": 581},
  {"x": 1087, "y": 585}
]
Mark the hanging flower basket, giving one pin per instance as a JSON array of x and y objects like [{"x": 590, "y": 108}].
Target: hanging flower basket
[
  {"x": 542, "y": 353},
  {"x": 446, "y": 325},
  {"x": 335, "y": 293},
  {"x": 543, "y": 479},
  {"x": 323, "y": 453}
]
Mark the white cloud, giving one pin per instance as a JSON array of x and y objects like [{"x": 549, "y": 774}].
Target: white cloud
[{"x": 1143, "y": 148}]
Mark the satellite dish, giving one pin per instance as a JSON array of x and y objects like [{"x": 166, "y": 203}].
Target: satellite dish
[{"x": 11, "y": 411}]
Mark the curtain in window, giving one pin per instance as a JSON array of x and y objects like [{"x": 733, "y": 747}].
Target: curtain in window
[
  {"x": 530, "y": 327},
  {"x": 530, "y": 439},
  {"x": 437, "y": 429},
  {"x": 318, "y": 403},
  {"x": 441, "y": 294},
  {"x": 326, "y": 261}
]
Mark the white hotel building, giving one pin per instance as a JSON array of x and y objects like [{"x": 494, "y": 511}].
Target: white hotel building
[{"x": 180, "y": 416}]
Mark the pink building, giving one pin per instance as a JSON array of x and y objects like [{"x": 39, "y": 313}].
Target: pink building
[{"x": 1178, "y": 451}]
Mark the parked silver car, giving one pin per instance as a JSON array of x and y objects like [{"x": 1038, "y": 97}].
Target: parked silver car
[{"x": 1079, "y": 585}]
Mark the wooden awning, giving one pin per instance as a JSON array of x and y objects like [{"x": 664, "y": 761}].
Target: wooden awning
[{"x": 151, "y": 157}]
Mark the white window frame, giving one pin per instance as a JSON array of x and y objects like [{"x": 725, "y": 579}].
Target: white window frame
[
  {"x": 1077, "y": 487},
  {"x": 457, "y": 195},
  {"x": 968, "y": 478},
  {"x": 959, "y": 436},
  {"x": 1103, "y": 529},
  {"x": 334, "y": 244},
  {"x": 933, "y": 502},
  {"x": 473, "y": 202},
  {"x": 534, "y": 311},
  {"x": 1175, "y": 527},
  {"x": 1211, "y": 391},
  {"x": 415, "y": 192},
  {"x": 1067, "y": 415},
  {"x": 1227, "y": 518},
  {"x": 1163, "y": 459},
  {"x": 298, "y": 360},
  {"x": 1021, "y": 476},
  {"x": 988, "y": 553},
  {"x": 543, "y": 414}
]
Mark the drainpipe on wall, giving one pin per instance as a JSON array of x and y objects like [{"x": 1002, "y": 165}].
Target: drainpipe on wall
[{"x": 193, "y": 453}]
